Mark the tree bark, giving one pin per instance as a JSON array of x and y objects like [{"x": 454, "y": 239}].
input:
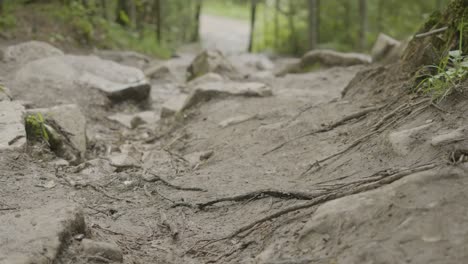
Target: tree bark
[
  {"x": 313, "y": 24},
  {"x": 157, "y": 11},
  {"x": 1, "y": 6},
  {"x": 276, "y": 23},
  {"x": 292, "y": 28},
  {"x": 363, "y": 24},
  {"x": 253, "y": 14},
  {"x": 196, "y": 31}
]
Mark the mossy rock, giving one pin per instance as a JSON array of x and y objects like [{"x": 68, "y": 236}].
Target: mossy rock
[{"x": 432, "y": 49}]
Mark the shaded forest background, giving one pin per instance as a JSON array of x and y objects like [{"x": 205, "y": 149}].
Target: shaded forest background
[{"x": 158, "y": 27}]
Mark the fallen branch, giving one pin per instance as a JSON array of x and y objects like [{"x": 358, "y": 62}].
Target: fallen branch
[
  {"x": 332, "y": 195},
  {"x": 103, "y": 192},
  {"x": 430, "y": 33},
  {"x": 180, "y": 188},
  {"x": 330, "y": 127},
  {"x": 252, "y": 196}
]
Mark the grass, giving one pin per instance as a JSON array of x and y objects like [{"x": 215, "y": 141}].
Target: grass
[
  {"x": 449, "y": 74},
  {"x": 226, "y": 9}
]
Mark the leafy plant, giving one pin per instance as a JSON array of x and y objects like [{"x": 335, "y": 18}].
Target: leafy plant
[{"x": 452, "y": 70}]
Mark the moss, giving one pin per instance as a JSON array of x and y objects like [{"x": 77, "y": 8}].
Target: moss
[{"x": 36, "y": 129}]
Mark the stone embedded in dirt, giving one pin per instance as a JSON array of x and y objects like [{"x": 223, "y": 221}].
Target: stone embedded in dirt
[
  {"x": 423, "y": 211},
  {"x": 384, "y": 48},
  {"x": 106, "y": 250},
  {"x": 173, "y": 106},
  {"x": 71, "y": 121},
  {"x": 450, "y": 137},
  {"x": 66, "y": 129},
  {"x": 208, "y": 91},
  {"x": 12, "y": 132},
  {"x": 402, "y": 142},
  {"x": 236, "y": 120},
  {"x": 134, "y": 120},
  {"x": 212, "y": 61},
  {"x": 129, "y": 157},
  {"x": 70, "y": 79},
  {"x": 39, "y": 235},
  {"x": 30, "y": 51},
  {"x": 207, "y": 78}
]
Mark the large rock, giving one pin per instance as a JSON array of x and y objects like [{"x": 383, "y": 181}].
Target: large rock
[
  {"x": 12, "y": 132},
  {"x": 128, "y": 58},
  {"x": 208, "y": 91},
  {"x": 212, "y": 61},
  {"x": 78, "y": 79},
  {"x": 419, "y": 219},
  {"x": 106, "y": 250},
  {"x": 38, "y": 236},
  {"x": 385, "y": 49},
  {"x": 30, "y": 51},
  {"x": 326, "y": 58},
  {"x": 69, "y": 122},
  {"x": 207, "y": 78},
  {"x": 249, "y": 63}
]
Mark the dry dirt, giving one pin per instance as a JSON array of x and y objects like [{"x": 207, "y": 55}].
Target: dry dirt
[{"x": 307, "y": 176}]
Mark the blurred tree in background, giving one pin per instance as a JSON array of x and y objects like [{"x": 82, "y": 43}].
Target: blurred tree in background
[{"x": 158, "y": 26}]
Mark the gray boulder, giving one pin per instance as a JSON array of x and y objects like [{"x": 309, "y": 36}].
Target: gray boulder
[
  {"x": 77, "y": 79},
  {"x": 106, "y": 250},
  {"x": 30, "y": 51},
  {"x": 173, "y": 106},
  {"x": 212, "y": 61}
]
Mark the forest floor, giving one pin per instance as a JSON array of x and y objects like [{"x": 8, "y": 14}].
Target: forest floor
[{"x": 306, "y": 175}]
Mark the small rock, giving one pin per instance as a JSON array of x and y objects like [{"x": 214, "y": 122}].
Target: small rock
[
  {"x": 134, "y": 120},
  {"x": 160, "y": 72},
  {"x": 123, "y": 160},
  {"x": 102, "y": 249},
  {"x": 211, "y": 61},
  {"x": 59, "y": 163},
  {"x": 206, "y": 155},
  {"x": 79, "y": 237},
  {"x": 173, "y": 106},
  {"x": 236, "y": 120},
  {"x": 450, "y": 137}
]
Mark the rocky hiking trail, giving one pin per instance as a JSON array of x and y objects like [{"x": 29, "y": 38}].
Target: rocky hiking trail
[{"x": 114, "y": 157}]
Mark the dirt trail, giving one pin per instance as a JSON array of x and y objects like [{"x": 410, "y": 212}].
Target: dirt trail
[
  {"x": 242, "y": 179},
  {"x": 231, "y": 36}
]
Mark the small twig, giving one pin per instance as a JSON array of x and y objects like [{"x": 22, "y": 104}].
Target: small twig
[
  {"x": 430, "y": 33},
  {"x": 9, "y": 209},
  {"x": 99, "y": 259},
  {"x": 158, "y": 178},
  {"x": 252, "y": 196},
  {"x": 439, "y": 108}
]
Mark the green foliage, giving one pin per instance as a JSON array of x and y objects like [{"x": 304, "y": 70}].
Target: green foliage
[
  {"x": 36, "y": 128},
  {"x": 452, "y": 70}
]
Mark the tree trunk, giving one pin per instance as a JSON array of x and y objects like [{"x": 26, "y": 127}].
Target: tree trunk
[
  {"x": 253, "y": 14},
  {"x": 1, "y": 6},
  {"x": 363, "y": 24},
  {"x": 105, "y": 14},
  {"x": 292, "y": 28},
  {"x": 132, "y": 13},
  {"x": 313, "y": 24},
  {"x": 276, "y": 36},
  {"x": 380, "y": 16},
  {"x": 196, "y": 31},
  {"x": 157, "y": 13},
  {"x": 121, "y": 11}
]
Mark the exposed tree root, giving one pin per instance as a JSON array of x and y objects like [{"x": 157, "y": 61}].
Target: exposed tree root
[
  {"x": 330, "y": 127},
  {"x": 180, "y": 188},
  {"x": 378, "y": 180},
  {"x": 251, "y": 196}
]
